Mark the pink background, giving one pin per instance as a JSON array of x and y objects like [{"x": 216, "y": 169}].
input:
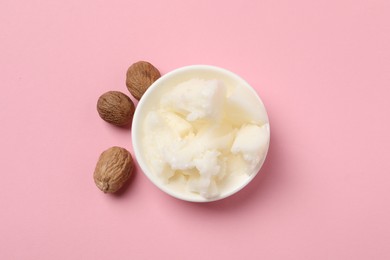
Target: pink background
[{"x": 321, "y": 67}]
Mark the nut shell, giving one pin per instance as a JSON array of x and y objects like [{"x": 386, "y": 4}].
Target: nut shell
[
  {"x": 139, "y": 77},
  {"x": 116, "y": 108},
  {"x": 113, "y": 169}
]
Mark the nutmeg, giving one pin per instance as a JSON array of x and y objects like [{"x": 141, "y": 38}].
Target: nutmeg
[
  {"x": 113, "y": 169},
  {"x": 139, "y": 77},
  {"x": 116, "y": 108}
]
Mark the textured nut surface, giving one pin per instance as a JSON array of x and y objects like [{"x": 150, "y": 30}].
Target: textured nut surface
[
  {"x": 116, "y": 108},
  {"x": 139, "y": 77},
  {"x": 113, "y": 169}
]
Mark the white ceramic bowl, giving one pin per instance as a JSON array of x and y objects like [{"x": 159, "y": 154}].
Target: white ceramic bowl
[{"x": 148, "y": 102}]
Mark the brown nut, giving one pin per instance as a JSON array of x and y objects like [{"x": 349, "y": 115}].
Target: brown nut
[
  {"x": 139, "y": 77},
  {"x": 113, "y": 169},
  {"x": 116, "y": 108}
]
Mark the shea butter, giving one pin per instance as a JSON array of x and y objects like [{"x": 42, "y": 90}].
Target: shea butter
[
  {"x": 200, "y": 133},
  {"x": 203, "y": 134}
]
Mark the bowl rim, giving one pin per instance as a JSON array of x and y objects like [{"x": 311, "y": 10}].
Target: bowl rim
[{"x": 136, "y": 142}]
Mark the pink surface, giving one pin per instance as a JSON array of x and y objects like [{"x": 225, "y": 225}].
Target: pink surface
[{"x": 321, "y": 67}]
